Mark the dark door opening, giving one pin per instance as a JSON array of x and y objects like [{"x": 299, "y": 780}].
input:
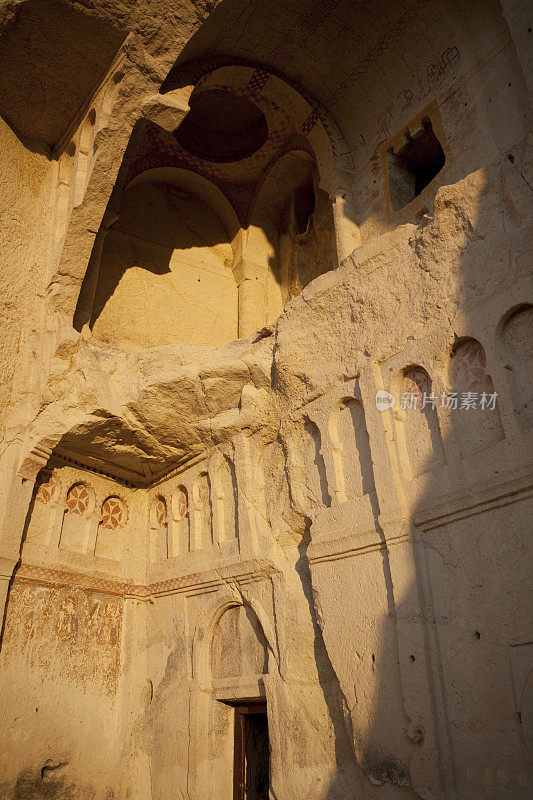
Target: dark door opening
[{"x": 252, "y": 757}]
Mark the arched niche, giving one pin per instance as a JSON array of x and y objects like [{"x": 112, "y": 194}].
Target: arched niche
[
  {"x": 79, "y": 508},
  {"x": 316, "y": 483},
  {"x": 159, "y": 529},
  {"x": 417, "y": 424},
  {"x": 164, "y": 273},
  {"x": 238, "y": 646},
  {"x": 203, "y": 522},
  {"x": 228, "y": 517},
  {"x": 113, "y": 518},
  {"x": 516, "y": 338},
  {"x": 475, "y": 416},
  {"x": 46, "y": 505},
  {"x": 352, "y": 458},
  {"x": 181, "y": 530}
]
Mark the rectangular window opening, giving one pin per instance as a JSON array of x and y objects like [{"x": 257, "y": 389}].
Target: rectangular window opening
[{"x": 414, "y": 165}]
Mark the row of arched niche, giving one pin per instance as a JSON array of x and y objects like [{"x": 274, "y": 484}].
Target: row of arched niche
[
  {"x": 418, "y": 430},
  {"x": 76, "y": 521},
  {"x": 199, "y": 512}
]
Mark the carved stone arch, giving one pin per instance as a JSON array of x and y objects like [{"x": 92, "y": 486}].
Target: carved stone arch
[
  {"x": 113, "y": 518},
  {"x": 476, "y": 419},
  {"x": 203, "y": 510},
  {"x": 239, "y": 649},
  {"x": 514, "y": 334},
  {"x": 160, "y": 544},
  {"x": 203, "y": 633},
  {"x": 310, "y": 124},
  {"x": 80, "y": 505},
  {"x": 317, "y": 491},
  {"x": 113, "y": 512},
  {"x": 352, "y": 459},
  {"x": 269, "y": 202},
  {"x": 202, "y": 187},
  {"x": 205, "y": 626},
  {"x": 225, "y": 491},
  {"x": 159, "y": 509},
  {"x": 49, "y": 487},
  {"x": 260, "y": 464},
  {"x": 281, "y": 229},
  {"x": 46, "y": 508},
  {"x": 418, "y": 435},
  {"x": 181, "y": 521}
]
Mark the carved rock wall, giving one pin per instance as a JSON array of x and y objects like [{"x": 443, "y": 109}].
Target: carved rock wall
[{"x": 329, "y": 513}]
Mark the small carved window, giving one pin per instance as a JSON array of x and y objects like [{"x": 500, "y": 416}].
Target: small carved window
[
  {"x": 414, "y": 165},
  {"x": 413, "y": 158}
]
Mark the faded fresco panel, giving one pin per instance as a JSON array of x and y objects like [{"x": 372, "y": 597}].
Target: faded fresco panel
[{"x": 70, "y": 634}]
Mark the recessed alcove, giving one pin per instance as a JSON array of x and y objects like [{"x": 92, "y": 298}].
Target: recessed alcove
[{"x": 165, "y": 273}]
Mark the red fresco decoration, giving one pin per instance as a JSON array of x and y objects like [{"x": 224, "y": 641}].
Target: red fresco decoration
[
  {"x": 468, "y": 366},
  {"x": 113, "y": 513},
  {"x": 183, "y": 507},
  {"x": 203, "y": 489},
  {"x": 71, "y": 635},
  {"x": 161, "y": 512},
  {"x": 78, "y": 499},
  {"x": 48, "y": 490},
  {"x": 416, "y": 382}
]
